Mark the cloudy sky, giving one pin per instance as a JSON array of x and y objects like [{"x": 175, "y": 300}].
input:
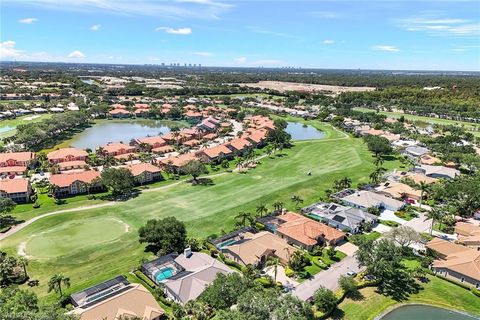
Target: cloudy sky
[{"x": 414, "y": 35}]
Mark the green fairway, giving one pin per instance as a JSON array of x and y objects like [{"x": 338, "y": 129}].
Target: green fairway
[
  {"x": 437, "y": 292},
  {"x": 205, "y": 209},
  {"x": 8, "y": 127},
  {"x": 75, "y": 235}
]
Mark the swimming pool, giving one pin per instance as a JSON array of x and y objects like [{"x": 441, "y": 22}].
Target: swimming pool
[
  {"x": 164, "y": 273},
  {"x": 227, "y": 243}
]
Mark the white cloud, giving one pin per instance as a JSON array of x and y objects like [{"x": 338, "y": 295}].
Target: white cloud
[
  {"x": 8, "y": 51},
  {"x": 269, "y": 32},
  {"x": 95, "y": 27},
  {"x": 328, "y": 41},
  {"x": 181, "y": 31},
  {"x": 202, "y": 53},
  {"x": 385, "y": 48},
  {"x": 28, "y": 20},
  {"x": 241, "y": 60},
  {"x": 458, "y": 49},
  {"x": 76, "y": 55},
  {"x": 436, "y": 25},
  {"x": 180, "y": 9}
]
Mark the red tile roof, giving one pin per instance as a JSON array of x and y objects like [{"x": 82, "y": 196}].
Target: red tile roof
[
  {"x": 14, "y": 185},
  {"x": 66, "y": 152},
  {"x": 214, "y": 152},
  {"x": 17, "y": 156},
  {"x": 66, "y": 179},
  {"x": 117, "y": 146},
  {"x": 239, "y": 143},
  {"x": 140, "y": 168},
  {"x": 157, "y": 140}
]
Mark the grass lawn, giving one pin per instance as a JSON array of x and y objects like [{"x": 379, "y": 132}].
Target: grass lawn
[
  {"x": 437, "y": 292},
  {"x": 8, "y": 126},
  {"x": 205, "y": 210}
]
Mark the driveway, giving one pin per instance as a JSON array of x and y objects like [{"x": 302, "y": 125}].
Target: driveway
[
  {"x": 281, "y": 277},
  {"x": 420, "y": 224},
  {"x": 327, "y": 278},
  {"x": 348, "y": 248},
  {"x": 390, "y": 215},
  {"x": 381, "y": 228}
]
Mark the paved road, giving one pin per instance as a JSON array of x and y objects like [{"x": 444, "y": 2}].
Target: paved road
[
  {"x": 328, "y": 278},
  {"x": 420, "y": 224}
]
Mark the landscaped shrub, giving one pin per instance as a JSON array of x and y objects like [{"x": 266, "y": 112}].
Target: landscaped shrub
[
  {"x": 476, "y": 292},
  {"x": 144, "y": 278},
  {"x": 289, "y": 272},
  {"x": 232, "y": 263}
]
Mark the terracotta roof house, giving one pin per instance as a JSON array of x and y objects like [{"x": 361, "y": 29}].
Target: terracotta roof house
[
  {"x": 456, "y": 262},
  {"x": 468, "y": 234},
  {"x": 239, "y": 144},
  {"x": 153, "y": 142},
  {"x": 16, "y": 159},
  {"x": 178, "y": 161},
  {"x": 257, "y": 137},
  {"x": 141, "y": 106},
  {"x": 256, "y": 248},
  {"x": 71, "y": 165},
  {"x": 75, "y": 182},
  {"x": 367, "y": 199},
  {"x": 184, "y": 277},
  {"x": 119, "y": 113},
  {"x": 145, "y": 172},
  {"x": 118, "y": 106},
  {"x": 399, "y": 190},
  {"x": 192, "y": 143},
  {"x": 12, "y": 171},
  {"x": 19, "y": 190},
  {"x": 306, "y": 233},
  {"x": 67, "y": 154},
  {"x": 117, "y": 148},
  {"x": 164, "y": 149},
  {"x": 116, "y": 298},
  {"x": 214, "y": 153},
  {"x": 430, "y": 160}
]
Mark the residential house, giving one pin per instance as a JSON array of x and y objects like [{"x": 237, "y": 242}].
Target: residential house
[
  {"x": 178, "y": 161},
  {"x": 76, "y": 182},
  {"x": 119, "y": 150},
  {"x": 256, "y": 248},
  {"x": 343, "y": 218},
  {"x": 239, "y": 145},
  {"x": 437, "y": 171},
  {"x": 214, "y": 154},
  {"x": 153, "y": 142},
  {"x": 66, "y": 155},
  {"x": 456, "y": 262},
  {"x": 306, "y": 233},
  {"x": 72, "y": 165},
  {"x": 17, "y": 159},
  {"x": 468, "y": 234},
  {"x": 119, "y": 113},
  {"x": 184, "y": 277},
  {"x": 367, "y": 199},
  {"x": 415, "y": 152},
  {"x": 145, "y": 172},
  {"x": 19, "y": 190},
  {"x": 116, "y": 298},
  {"x": 398, "y": 190}
]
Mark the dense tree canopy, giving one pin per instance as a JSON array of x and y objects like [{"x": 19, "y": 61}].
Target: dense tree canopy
[{"x": 164, "y": 236}]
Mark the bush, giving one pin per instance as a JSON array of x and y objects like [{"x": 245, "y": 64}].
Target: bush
[
  {"x": 389, "y": 223},
  {"x": 36, "y": 205},
  {"x": 144, "y": 278},
  {"x": 232, "y": 263},
  {"x": 259, "y": 226},
  {"x": 476, "y": 292},
  {"x": 289, "y": 272}
]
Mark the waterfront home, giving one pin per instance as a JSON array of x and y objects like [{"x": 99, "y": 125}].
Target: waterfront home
[
  {"x": 16, "y": 159},
  {"x": 256, "y": 248},
  {"x": 456, "y": 262},
  {"x": 437, "y": 171},
  {"x": 367, "y": 199},
  {"x": 19, "y": 190},
  {"x": 67, "y": 154},
  {"x": 76, "y": 183},
  {"x": 117, "y": 149},
  {"x": 305, "y": 232},
  {"x": 153, "y": 142},
  {"x": 184, "y": 277},
  {"x": 145, "y": 172},
  {"x": 116, "y": 298},
  {"x": 257, "y": 137},
  {"x": 344, "y": 218},
  {"x": 119, "y": 113}
]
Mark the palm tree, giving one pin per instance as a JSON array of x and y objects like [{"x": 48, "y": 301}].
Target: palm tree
[
  {"x": 346, "y": 182},
  {"x": 109, "y": 161},
  {"x": 297, "y": 200},
  {"x": 377, "y": 174},
  {"x": 278, "y": 206},
  {"x": 296, "y": 260},
  {"x": 378, "y": 162},
  {"x": 24, "y": 263},
  {"x": 261, "y": 209},
  {"x": 436, "y": 214},
  {"x": 55, "y": 283},
  {"x": 243, "y": 217},
  {"x": 274, "y": 262},
  {"x": 239, "y": 163},
  {"x": 424, "y": 188},
  {"x": 250, "y": 272}
]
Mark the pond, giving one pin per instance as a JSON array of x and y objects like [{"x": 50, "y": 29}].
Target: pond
[
  {"x": 423, "y": 312},
  {"x": 6, "y": 129},
  {"x": 301, "y": 132},
  {"x": 121, "y": 130},
  {"x": 87, "y": 81}
]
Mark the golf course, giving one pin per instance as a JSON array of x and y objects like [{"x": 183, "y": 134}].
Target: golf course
[{"x": 98, "y": 243}]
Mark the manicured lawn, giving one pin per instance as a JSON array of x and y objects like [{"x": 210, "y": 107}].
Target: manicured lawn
[
  {"x": 437, "y": 292},
  {"x": 8, "y": 126},
  {"x": 204, "y": 209}
]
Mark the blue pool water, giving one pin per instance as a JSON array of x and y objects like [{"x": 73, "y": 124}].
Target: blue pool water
[
  {"x": 164, "y": 273},
  {"x": 227, "y": 243}
]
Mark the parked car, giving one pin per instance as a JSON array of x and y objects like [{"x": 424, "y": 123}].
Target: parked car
[
  {"x": 351, "y": 273},
  {"x": 369, "y": 277}
]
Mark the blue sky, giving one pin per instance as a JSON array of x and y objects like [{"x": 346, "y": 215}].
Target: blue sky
[{"x": 414, "y": 35}]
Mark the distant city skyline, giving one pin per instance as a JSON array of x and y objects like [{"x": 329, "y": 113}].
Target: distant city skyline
[{"x": 390, "y": 35}]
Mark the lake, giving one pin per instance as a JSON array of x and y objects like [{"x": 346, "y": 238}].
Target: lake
[
  {"x": 87, "y": 81},
  {"x": 299, "y": 132},
  {"x": 423, "y": 312},
  {"x": 121, "y": 130}
]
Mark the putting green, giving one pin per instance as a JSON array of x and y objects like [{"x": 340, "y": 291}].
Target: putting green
[{"x": 74, "y": 236}]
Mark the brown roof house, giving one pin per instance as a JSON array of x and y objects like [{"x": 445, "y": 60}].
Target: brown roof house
[
  {"x": 67, "y": 154},
  {"x": 214, "y": 154},
  {"x": 116, "y": 298},
  {"x": 19, "y": 190},
  {"x": 76, "y": 183},
  {"x": 145, "y": 172},
  {"x": 306, "y": 233},
  {"x": 256, "y": 248},
  {"x": 15, "y": 162},
  {"x": 468, "y": 234},
  {"x": 456, "y": 262}
]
